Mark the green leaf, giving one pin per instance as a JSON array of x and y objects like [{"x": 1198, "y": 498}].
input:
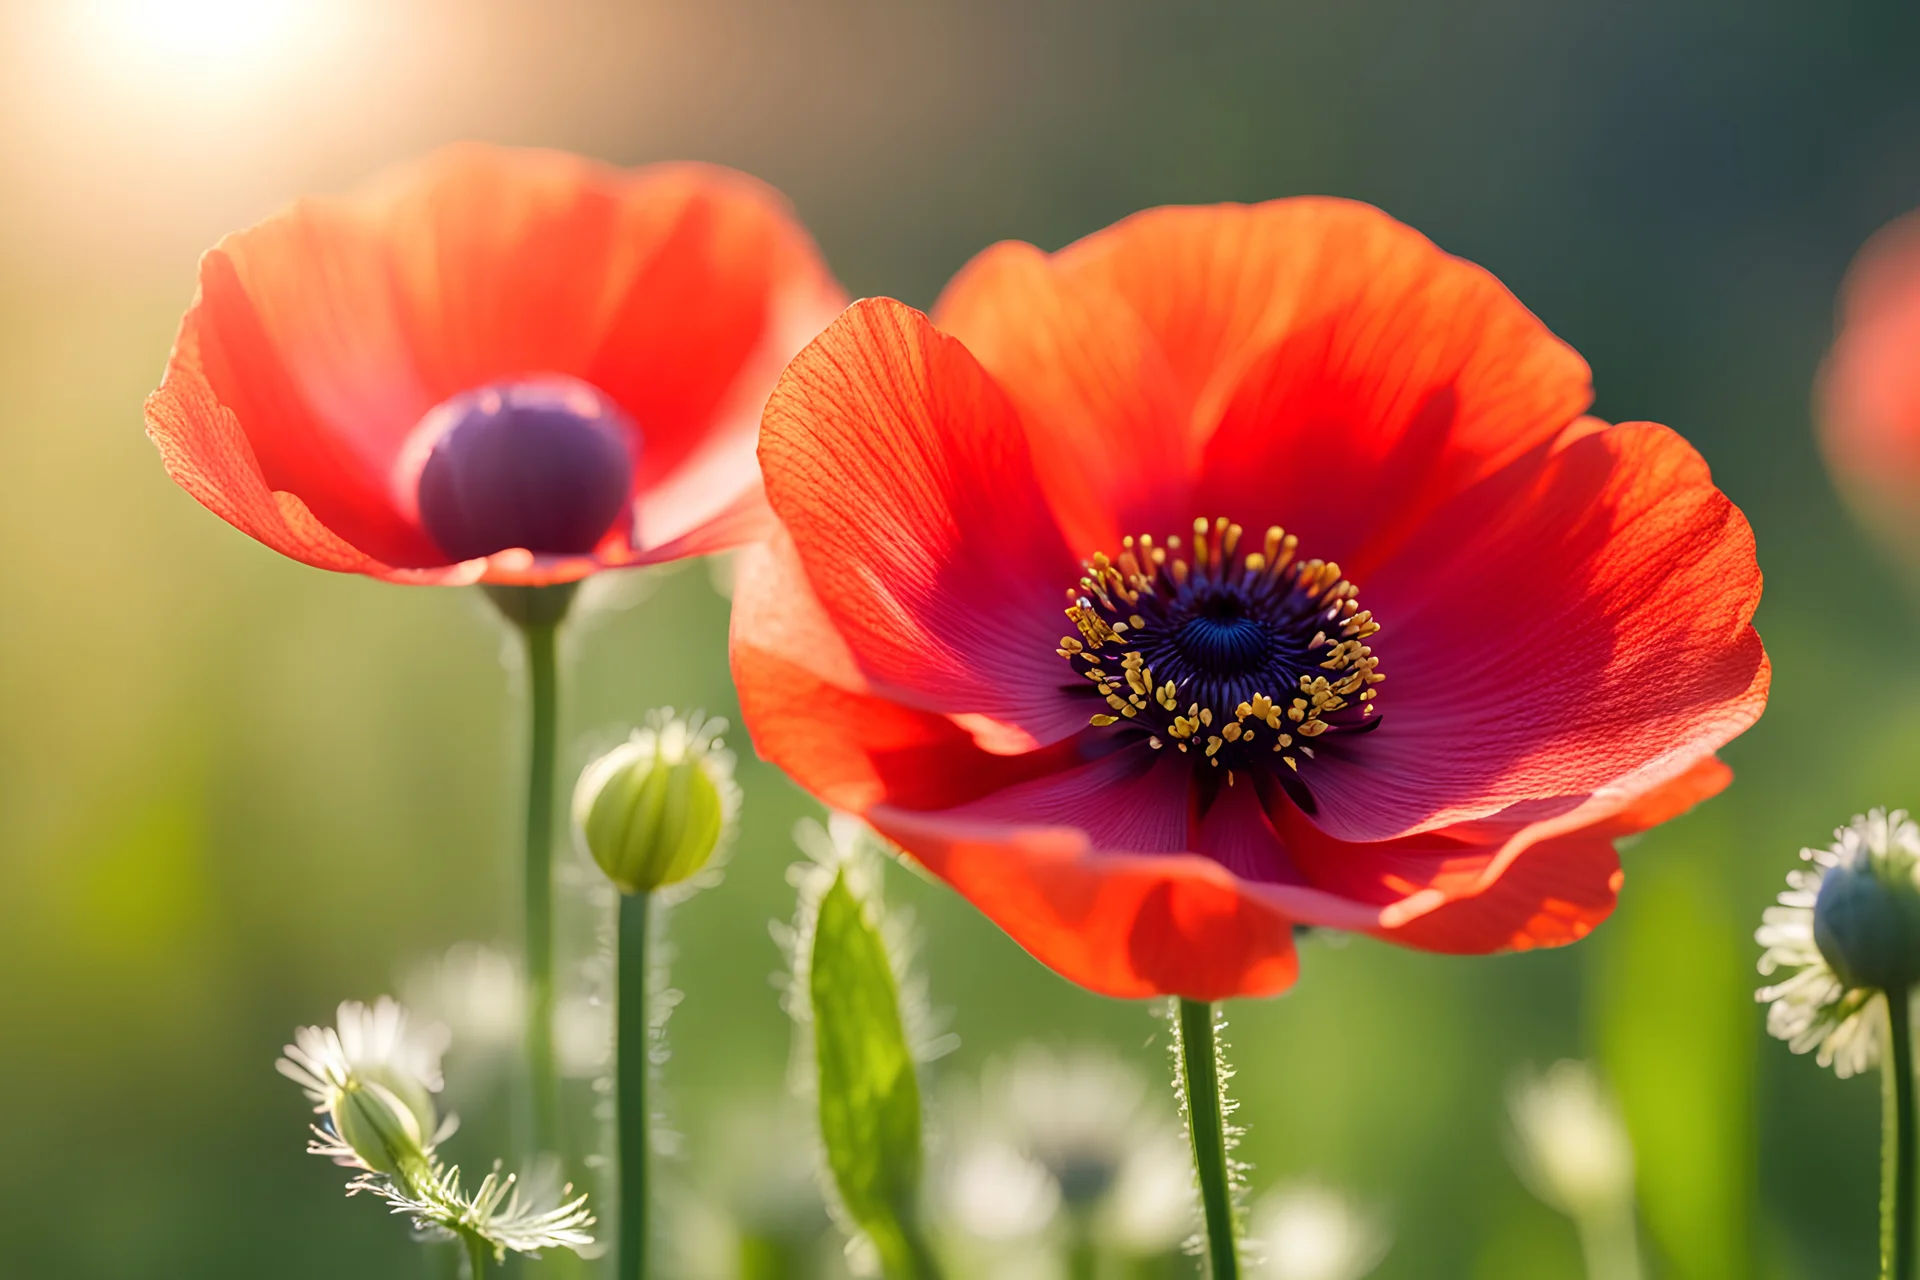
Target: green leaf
[{"x": 869, "y": 1095}]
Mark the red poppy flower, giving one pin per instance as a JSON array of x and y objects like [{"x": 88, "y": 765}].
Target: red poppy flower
[
  {"x": 1365, "y": 624},
  {"x": 504, "y": 366},
  {"x": 1870, "y": 388}
]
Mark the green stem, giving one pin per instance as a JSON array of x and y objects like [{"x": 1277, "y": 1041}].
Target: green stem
[
  {"x": 537, "y": 613},
  {"x": 1083, "y": 1253},
  {"x": 905, "y": 1253},
  {"x": 477, "y": 1250},
  {"x": 1609, "y": 1242},
  {"x": 543, "y": 682},
  {"x": 1206, "y": 1123},
  {"x": 632, "y": 1061},
  {"x": 1898, "y": 1168}
]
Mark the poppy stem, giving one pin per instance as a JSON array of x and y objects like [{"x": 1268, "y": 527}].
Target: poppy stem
[
  {"x": 633, "y": 1058},
  {"x": 537, "y": 612},
  {"x": 1204, "y": 1090},
  {"x": 1898, "y": 1165},
  {"x": 545, "y": 1073}
]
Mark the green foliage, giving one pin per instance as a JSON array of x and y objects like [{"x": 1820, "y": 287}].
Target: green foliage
[
  {"x": 1677, "y": 1041},
  {"x": 869, "y": 1093}
]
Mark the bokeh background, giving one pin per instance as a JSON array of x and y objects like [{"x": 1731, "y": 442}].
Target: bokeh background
[{"x": 234, "y": 790}]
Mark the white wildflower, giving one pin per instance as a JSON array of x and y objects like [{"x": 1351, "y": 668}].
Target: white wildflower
[
  {"x": 1846, "y": 923},
  {"x": 1310, "y": 1232}
]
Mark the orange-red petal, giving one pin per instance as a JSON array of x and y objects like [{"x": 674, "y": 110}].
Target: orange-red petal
[
  {"x": 1391, "y": 377},
  {"x": 903, "y": 476},
  {"x": 1124, "y": 925},
  {"x": 320, "y": 337},
  {"x": 1869, "y": 392},
  {"x": 1585, "y": 616},
  {"x": 1105, "y": 419}
]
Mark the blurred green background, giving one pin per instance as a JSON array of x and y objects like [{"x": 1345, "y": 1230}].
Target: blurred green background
[{"x": 234, "y": 790}]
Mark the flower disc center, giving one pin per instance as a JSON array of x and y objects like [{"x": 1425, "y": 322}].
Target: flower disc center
[
  {"x": 1248, "y": 659},
  {"x": 1221, "y": 637}
]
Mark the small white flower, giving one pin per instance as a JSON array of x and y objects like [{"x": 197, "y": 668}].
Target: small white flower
[
  {"x": 379, "y": 1045},
  {"x": 1077, "y": 1133},
  {"x": 1571, "y": 1147},
  {"x": 997, "y": 1194},
  {"x": 1310, "y": 1232},
  {"x": 476, "y": 991},
  {"x": 373, "y": 1076},
  {"x": 1817, "y": 1008}
]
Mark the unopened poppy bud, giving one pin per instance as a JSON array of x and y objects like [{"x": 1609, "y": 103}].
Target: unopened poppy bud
[
  {"x": 382, "y": 1130},
  {"x": 1866, "y": 915},
  {"x": 654, "y": 809}
]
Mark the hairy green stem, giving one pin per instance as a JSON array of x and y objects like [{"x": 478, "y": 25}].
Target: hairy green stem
[
  {"x": 1898, "y": 1167},
  {"x": 1206, "y": 1123},
  {"x": 632, "y": 1060}
]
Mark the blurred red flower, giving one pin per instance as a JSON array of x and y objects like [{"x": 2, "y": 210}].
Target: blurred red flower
[
  {"x": 494, "y": 365},
  {"x": 1174, "y": 429},
  {"x": 1869, "y": 396}
]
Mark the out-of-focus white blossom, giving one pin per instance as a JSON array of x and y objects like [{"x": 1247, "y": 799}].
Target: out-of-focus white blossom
[
  {"x": 1572, "y": 1150},
  {"x": 1078, "y": 1137},
  {"x": 997, "y": 1194},
  {"x": 477, "y": 992},
  {"x": 1310, "y": 1232}
]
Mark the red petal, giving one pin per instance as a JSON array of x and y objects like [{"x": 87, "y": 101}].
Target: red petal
[
  {"x": 1582, "y": 619},
  {"x": 1869, "y": 393},
  {"x": 1132, "y": 799},
  {"x": 1119, "y": 924},
  {"x": 1507, "y": 884},
  {"x": 1387, "y": 378},
  {"x": 326, "y": 332},
  {"x": 810, "y": 710},
  {"x": 1105, "y": 419},
  {"x": 903, "y": 477}
]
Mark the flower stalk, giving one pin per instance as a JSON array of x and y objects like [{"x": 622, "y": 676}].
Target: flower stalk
[
  {"x": 1898, "y": 1168},
  {"x": 653, "y": 812},
  {"x": 537, "y": 613},
  {"x": 1203, "y": 1088},
  {"x": 633, "y": 1059}
]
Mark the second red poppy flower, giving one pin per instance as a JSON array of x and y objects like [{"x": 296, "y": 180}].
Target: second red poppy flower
[{"x": 1233, "y": 568}]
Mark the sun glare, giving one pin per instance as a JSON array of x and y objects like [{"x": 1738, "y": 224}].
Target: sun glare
[{"x": 199, "y": 36}]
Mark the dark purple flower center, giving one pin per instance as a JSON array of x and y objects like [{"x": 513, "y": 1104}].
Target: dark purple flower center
[
  {"x": 1240, "y": 661},
  {"x": 545, "y": 465}
]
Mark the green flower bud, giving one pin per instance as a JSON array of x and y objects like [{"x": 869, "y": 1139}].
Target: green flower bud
[
  {"x": 1866, "y": 916},
  {"x": 382, "y": 1130},
  {"x": 654, "y": 809}
]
